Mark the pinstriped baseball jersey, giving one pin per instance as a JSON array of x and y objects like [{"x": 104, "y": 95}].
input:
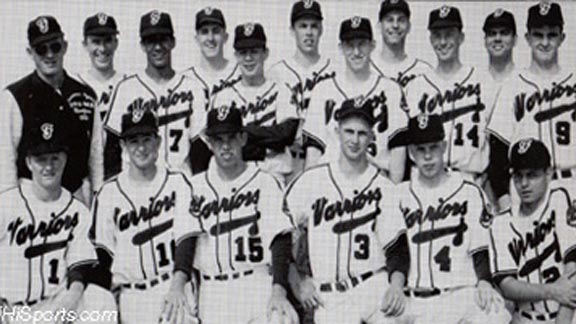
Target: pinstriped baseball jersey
[
  {"x": 444, "y": 227},
  {"x": 543, "y": 108},
  {"x": 39, "y": 242},
  {"x": 462, "y": 104},
  {"x": 214, "y": 82},
  {"x": 403, "y": 72},
  {"x": 532, "y": 248},
  {"x": 237, "y": 219},
  {"x": 179, "y": 105},
  {"x": 341, "y": 218},
  {"x": 134, "y": 223}
]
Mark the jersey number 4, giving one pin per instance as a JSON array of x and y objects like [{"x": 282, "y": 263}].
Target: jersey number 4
[{"x": 443, "y": 259}]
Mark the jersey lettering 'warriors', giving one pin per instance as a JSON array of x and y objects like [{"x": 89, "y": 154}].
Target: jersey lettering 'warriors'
[
  {"x": 235, "y": 221},
  {"x": 179, "y": 105},
  {"x": 462, "y": 105},
  {"x": 532, "y": 249},
  {"x": 545, "y": 109},
  {"x": 103, "y": 89},
  {"x": 444, "y": 229},
  {"x": 213, "y": 82},
  {"x": 40, "y": 242},
  {"x": 341, "y": 219},
  {"x": 134, "y": 224},
  {"x": 404, "y": 72}
]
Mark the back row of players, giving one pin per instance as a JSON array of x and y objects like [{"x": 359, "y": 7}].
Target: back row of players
[{"x": 289, "y": 124}]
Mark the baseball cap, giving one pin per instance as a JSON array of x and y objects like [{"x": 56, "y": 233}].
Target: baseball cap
[
  {"x": 137, "y": 122},
  {"x": 47, "y": 135},
  {"x": 210, "y": 15},
  {"x": 545, "y": 14},
  {"x": 43, "y": 29},
  {"x": 355, "y": 27},
  {"x": 500, "y": 18},
  {"x": 249, "y": 35},
  {"x": 356, "y": 107},
  {"x": 424, "y": 128},
  {"x": 305, "y": 8},
  {"x": 100, "y": 25},
  {"x": 388, "y": 6},
  {"x": 445, "y": 17},
  {"x": 529, "y": 153},
  {"x": 156, "y": 23},
  {"x": 224, "y": 119}
]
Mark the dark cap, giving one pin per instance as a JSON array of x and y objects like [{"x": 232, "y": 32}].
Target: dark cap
[
  {"x": 545, "y": 14},
  {"x": 358, "y": 107},
  {"x": 393, "y": 5},
  {"x": 100, "y": 25},
  {"x": 43, "y": 29},
  {"x": 445, "y": 17},
  {"x": 500, "y": 18},
  {"x": 210, "y": 15},
  {"x": 139, "y": 121},
  {"x": 156, "y": 23},
  {"x": 424, "y": 128},
  {"x": 355, "y": 27},
  {"x": 249, "y": 35},
  {"x": 47, "y": 135},
  {"x": 224, "y": 119},
  {"x": 529, "y": 153},
  {"x": 305, "y": 8}
]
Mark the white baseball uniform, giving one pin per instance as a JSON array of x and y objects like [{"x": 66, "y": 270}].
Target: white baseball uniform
[
  {"x": 103, "y": 89},
  {"x": 235, "y": 222},
  {"x": 212, "y": 81},
  {"x": 403, "y": 72}
]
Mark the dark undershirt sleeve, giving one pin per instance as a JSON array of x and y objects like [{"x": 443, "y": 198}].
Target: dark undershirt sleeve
[
  {"x": 281, "y": 257},
  {"x": 398, "y": 256},
  {"x": 482, "y": 265},
  {"x": 498, "y": 173},
  {"x": 184, "y": 256}
]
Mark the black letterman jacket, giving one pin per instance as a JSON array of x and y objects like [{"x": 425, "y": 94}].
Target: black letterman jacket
[{"x": 30, "y": 98}]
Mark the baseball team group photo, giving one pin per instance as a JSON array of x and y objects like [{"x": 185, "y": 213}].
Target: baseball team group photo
[{"x": 288, "y": 162}]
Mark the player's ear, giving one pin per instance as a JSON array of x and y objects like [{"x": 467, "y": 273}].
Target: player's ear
[
  {"x": 562, "y": 37},
  {"x": 266, "y": 53},
  {"x": 443, "y": 145},
  {"x": 29, "y": 162},
  {"x": 224, "y": 36},
  {"x": 64, "y": 46},
  {"x": 410, "y": 150},
  {"x": 243, "y": 138},
  {"x": 115, "y": 42},
  {"x": 30, "y": 51}
]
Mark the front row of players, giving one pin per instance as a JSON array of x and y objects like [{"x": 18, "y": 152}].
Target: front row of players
[{"x": 228, "y": 223}]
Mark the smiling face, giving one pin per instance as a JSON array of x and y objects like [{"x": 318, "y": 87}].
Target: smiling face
[
  {"x": 142, "y": 150},
  {"x": 47, "y": 169},
  {"x": 48, "y": 56},
  {"x": 211, "y": 39},
  {"x": 158, "y": 49},
  {"x": 394, "y": 26},
  {"x": 307, "y": 32},
  {"x": 499, "y": 42},
  {"x": 446, "y": 43},
  {"x": 227, "y": 149},
  {"x": 428, "y": 157},
  {"x": 544, "y": 43},
  {"x": 531, "y": 184},
  {"x": 355, "y": 135},
  {"x": 101, "y": 49},
  {"x": 357, "y": 53},
  {"x": 251, "y": 61}
]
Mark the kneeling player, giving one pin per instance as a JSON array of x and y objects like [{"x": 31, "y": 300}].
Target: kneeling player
[
  {"x": 44, "y": 242},
  {"x": 236, "y": 229},
  {"x": 133, "y": 221},
  {"x": 534, "y": 249},
  {"x": 445, "y": 220}
]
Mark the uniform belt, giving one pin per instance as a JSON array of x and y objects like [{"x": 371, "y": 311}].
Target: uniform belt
[
  {"x": 345, "y": 285},
  {"x": 147, "y": 284},
  {"x": 29, "y": 302},
  {"x": 539, "y": 317},
  {"x": 229, "y": 276},
  {"x": 429, "y": 292},
  {"x": 563, "y": 174}
]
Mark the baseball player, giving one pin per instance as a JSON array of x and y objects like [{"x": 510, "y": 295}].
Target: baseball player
[
  {"x": 539, "y": 102},
  {"x": 532, "y": 243},
  {"x": 360, "y": 81},
  {"x": 234, "y": 232},
  {"x": 393, "y": 61},
  {"x": 445, "y": 221},
  {"x": 176, "y": 99},
  {"x": 453, "y": 91},
  {"x": 49, "y": 90},
  {"x": 44, "y": 242},
  {"x": 134, "y": 216},
  {"x": 270, "y": 117}
]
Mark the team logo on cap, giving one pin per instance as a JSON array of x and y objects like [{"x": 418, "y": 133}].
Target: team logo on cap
[
  {"x": 358, "y": 101},
  {"x": 223, "y": 112},
  {"x": 499, "y": 12},
  {"x": 102, "y": 18},
  {"x": 444, "y": 11},
  {"x": 154, "y": 17},
  {"x": 422, "y": 121},
  {"x": 308, "y": 3},
  {"x": 137, "y": 115},
  {"x": 248, "y": 29},
  {"x": 545, "y": 7},
  {"x": 394, "y": 1},
  {"x": 524, "y": 145},
  {"x": 356, "y": 22},
  {"x": 47, "y": 130},
  {"x": 42, "y": 24},
  {"x": 208, "y": 11}
]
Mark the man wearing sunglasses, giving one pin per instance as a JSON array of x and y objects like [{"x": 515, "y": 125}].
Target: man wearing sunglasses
[{"x": 50, "y": 91}]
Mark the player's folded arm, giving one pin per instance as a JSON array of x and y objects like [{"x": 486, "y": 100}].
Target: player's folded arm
[
  {"x": 481, "y": 260},
  {"x": 281, "y": 248},
  {"x": 499, "y": 165},
  {"x": 398, "y": 255},
  {"x": 500, "y": 275},
  {"x": 81, "y": 272},
  {"x": 184, "y": 256}
]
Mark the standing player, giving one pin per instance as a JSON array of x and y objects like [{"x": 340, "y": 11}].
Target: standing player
[
  {"x": 534, "y": 252},
  {"x": 445, "y": 219},
  {"x": 540, "y": 101},
  {"x": 175, "y": 98},
  {"x": 359, "y": 81},
  {"x": 345, "y": 256},
  {"x": 234, "y": 232},
  {"x": 44, "y": 242},
  {"x": 133, "y": 218},
  {"x": 46, "y": 92}
]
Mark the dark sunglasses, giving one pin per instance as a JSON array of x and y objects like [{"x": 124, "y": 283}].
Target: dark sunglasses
[{"x": 43, "y": 49}]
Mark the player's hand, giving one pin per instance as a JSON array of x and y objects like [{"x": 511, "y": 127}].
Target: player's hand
[
  {"x": 280, "y": 305},
  {"x": 394, "y": 301},
  {"x": 176, "y": 307},
  {"x": 487, "y": 297},
  {"x": 68, "y": 300},
  {"x": 309, "y": 296},
  {"x": 563, "y": 291}
]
